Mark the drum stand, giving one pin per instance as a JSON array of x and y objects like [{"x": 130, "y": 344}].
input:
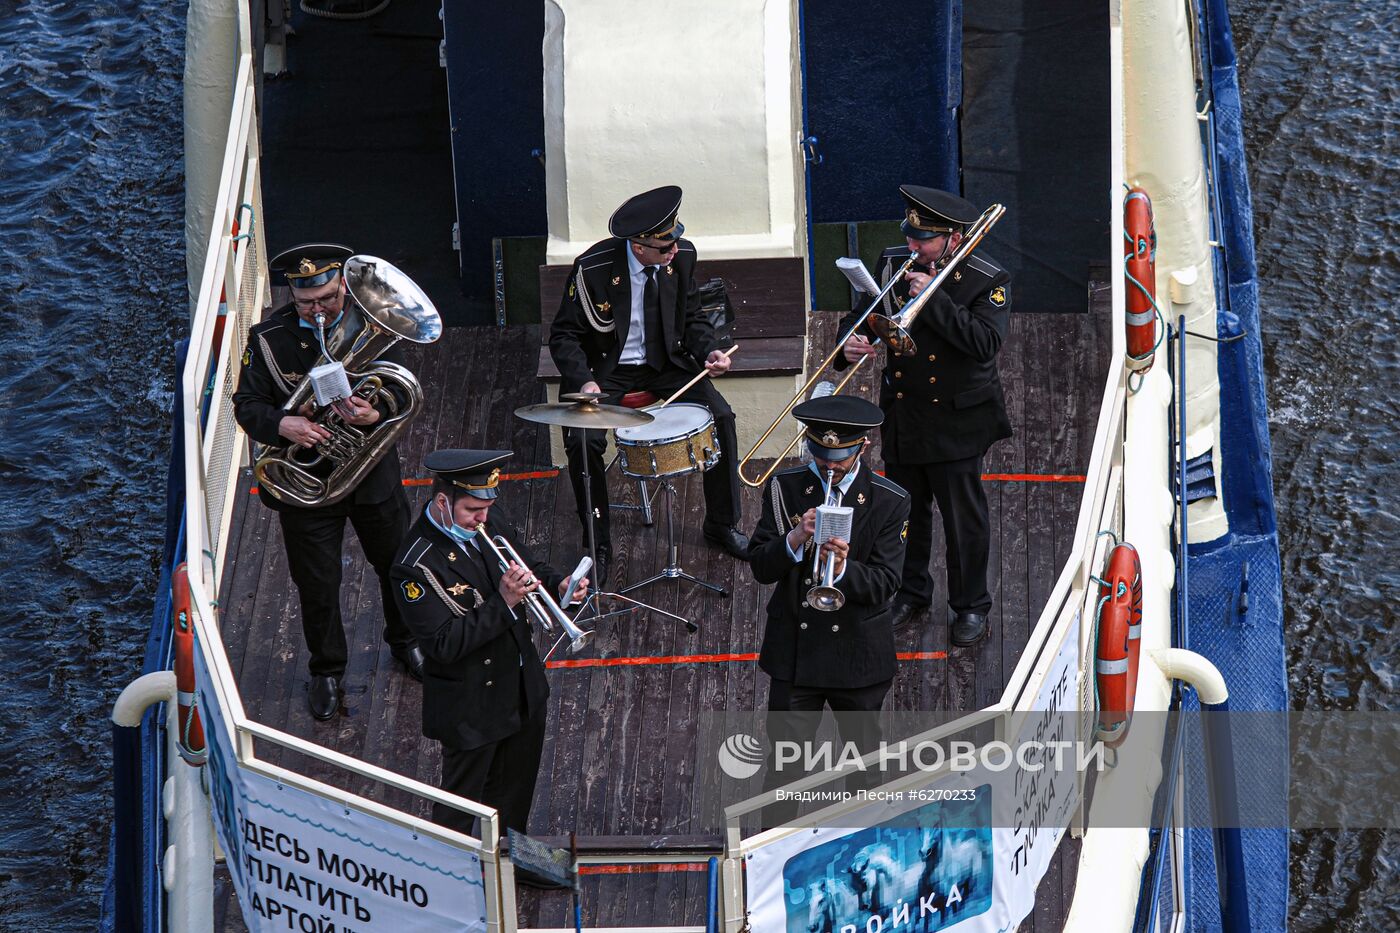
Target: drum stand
[
  {"x": 673, "y": 569},
  {"x": 594, "y": 602}
]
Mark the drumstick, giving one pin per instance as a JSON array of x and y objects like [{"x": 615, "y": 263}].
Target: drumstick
[{"x": 698, "y": 376}]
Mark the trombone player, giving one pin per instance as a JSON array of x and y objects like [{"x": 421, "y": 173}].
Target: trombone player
[
  {"x": 484, "y": 687},
  {"x": 841, "y": 656},
  {"x": 281, "y": 351},
  {"x": 943, "y": 403}
]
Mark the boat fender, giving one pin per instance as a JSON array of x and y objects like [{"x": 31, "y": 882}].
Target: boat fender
[
  {"x": 1140, "y": 279},
  {"x": 1119, "y": 640},
  {"x": 190, "y": 740}
]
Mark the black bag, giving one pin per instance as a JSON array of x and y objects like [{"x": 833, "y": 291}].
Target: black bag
[{"x": 714, "y": 301}]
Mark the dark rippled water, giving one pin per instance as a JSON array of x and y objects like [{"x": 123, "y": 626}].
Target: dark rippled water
[
  {"x": 92, "y": 272},
  {"x": 1321, "y": 82},
  {"x": 92, "y": 298}
]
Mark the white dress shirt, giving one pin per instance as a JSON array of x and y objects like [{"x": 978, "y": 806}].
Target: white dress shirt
[{"x": 634, "y": 351}]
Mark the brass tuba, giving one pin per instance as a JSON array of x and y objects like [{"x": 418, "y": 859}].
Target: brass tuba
[{"x": 385, "y": 306}]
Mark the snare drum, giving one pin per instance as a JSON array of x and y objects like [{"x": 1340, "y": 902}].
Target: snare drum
[{"x": 680, "y": 440}]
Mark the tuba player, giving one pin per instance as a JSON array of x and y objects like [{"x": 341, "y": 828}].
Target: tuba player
[{"x": 281, "y": 350}]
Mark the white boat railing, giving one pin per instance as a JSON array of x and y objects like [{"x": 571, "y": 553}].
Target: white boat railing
[{"x": 233, "y": 291}]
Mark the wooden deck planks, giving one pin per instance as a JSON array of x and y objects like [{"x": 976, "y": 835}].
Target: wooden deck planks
[{"x": 621, "y": 757}]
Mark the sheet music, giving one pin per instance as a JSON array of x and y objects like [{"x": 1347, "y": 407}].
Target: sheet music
[
  {"x": 833, "y": 521},
  {"x": 859, "y": 276}
]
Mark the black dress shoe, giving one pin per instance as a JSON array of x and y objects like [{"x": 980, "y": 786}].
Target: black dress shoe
[
  {"x": 411, "y": 657},
  {"x": 968, "y": 629},
  {"x": 324, "y": 696},
  {"x": 730, "y": 540},
  {"x": 904, "y": 616}
]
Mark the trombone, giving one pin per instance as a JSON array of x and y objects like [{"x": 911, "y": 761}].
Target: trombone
[
  {"x": 542, "y": 607},
  {"x": 891, "y": 330}
]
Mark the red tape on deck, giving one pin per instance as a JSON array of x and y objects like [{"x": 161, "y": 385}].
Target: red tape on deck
[
  {"x": 708, "y": 659},
  {"x": 640, "y": 869},
  {"x": 993, "y": 477},
  {"x": 427, "y": 481}
]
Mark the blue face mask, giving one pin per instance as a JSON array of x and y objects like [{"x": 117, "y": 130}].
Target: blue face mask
[
  {"x": 457, "y": 531},
  {"x": 329, "y": 324}
]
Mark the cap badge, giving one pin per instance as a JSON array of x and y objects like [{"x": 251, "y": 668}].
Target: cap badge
[
  {"x": 998, "y": 296},
  {"x": 912, "y": 217},
  {"x": 306, "y": 267},
  {"x": 495, "y": 475},
  {"x": 830, "y": 439}
]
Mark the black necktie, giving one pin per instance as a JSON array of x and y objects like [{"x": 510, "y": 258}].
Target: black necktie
[{"x": 651, "y": 321}]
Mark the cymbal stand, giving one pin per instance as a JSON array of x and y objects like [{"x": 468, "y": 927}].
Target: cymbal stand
[
  {"x": 673, "y": 569},
  {"x": 596, "y": 596}
]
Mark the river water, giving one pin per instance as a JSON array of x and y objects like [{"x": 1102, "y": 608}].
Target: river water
[{"x": 92, "y": 299}]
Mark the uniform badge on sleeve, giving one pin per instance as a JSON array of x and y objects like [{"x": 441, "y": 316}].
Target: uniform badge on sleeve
[
  {"x": 247, "y": 356},
  {"x": 904, "y": 532},
  {"x": 998, "y": 296},
  {"x": 411, "y": 591}
]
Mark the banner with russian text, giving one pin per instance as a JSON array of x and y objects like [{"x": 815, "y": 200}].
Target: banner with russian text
[
  {"x": 302, "y": 862},
  {"x": 966, "y": 851}
]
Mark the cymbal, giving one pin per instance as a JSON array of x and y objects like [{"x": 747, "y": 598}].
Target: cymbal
[{"x": 581, "y": 410}]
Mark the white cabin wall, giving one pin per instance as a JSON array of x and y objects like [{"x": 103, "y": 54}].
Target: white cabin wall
[
  {"x": 1162, "y": 143},
  {"x": 710, "y": 102}
]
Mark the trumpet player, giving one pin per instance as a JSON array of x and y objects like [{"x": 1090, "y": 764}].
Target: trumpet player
[
  {"x": 484, "y": 687},
  {"x": 281, "y": 350},
  {"x": 841, "y": 657},
  {"x": 943, "y": 404}
]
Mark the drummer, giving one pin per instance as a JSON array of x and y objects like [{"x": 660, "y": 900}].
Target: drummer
[{"x": 630, "y": 322}]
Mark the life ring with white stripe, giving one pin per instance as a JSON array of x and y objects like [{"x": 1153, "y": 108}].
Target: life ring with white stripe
[
  {"x": 190, "y": 741},
  {"x": 1119, "y": 640},
  {"x": 1140, "y": 279}
]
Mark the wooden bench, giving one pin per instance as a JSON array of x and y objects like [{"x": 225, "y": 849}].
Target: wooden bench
[{"x": 770, "y": 314}]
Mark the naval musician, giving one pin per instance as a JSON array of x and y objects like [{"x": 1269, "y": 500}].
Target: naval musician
[
  {"x": 484, "y": 687},
  {"x": 630, "y": 321},
  {"x": 844, "y": 659},
  {"x": 943, "y": 404},
  {"x": 281, "y": 350}
]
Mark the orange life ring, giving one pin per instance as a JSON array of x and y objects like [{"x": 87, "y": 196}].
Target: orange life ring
[
  {"x": 1120, "y": 636},
  {"x": 190, "y": 741},
  {"x": 1140, "y": 277}
]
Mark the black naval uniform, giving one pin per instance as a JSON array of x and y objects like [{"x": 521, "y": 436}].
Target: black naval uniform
[
  {"x": 587, "y": 339},
  {"x": 279, "y": 354},
  {"x": 944, "y": 408},
  {"x": 846, "y": 658},
  {"x": 484, "y": 687}
]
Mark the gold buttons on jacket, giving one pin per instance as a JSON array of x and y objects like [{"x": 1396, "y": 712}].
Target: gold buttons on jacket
[
  {"x": 802, "y": 625},
  {"x": 931, "y": 357},
  {"x": 899, "y": 375},
  {"x": 899, "y": 395},
  {"x": 490, "y": 683},
  {"x": 487, "y": 661},
  {"x": 932, "y": 380},
  {"x": 935, "y": 401},
  {"x": 836, "y": 628},
  {"x": 804, "y": 606}
]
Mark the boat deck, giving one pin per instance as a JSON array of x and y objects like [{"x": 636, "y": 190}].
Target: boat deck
[{"x": 643, "y": 684}]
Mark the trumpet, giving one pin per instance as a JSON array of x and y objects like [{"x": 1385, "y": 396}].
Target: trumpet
[
  {"x": 891, "y": 330},
  {"x": 833, "y": 521},
  {"x": 541, "y": 606}
]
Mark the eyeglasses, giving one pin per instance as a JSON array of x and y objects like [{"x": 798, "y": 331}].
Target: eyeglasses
[
  {"x": 328, "y": 302},
  {"x": 663, "y": 249}
]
